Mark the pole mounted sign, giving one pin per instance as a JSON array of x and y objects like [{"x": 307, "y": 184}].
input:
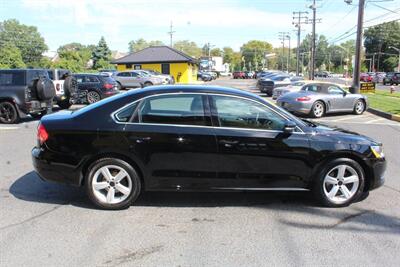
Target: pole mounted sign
[{"x": 367, "y": 88}]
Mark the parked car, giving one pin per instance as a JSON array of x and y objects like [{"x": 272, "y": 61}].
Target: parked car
[
  {"x": 167, "y": 79},
  {"x": 109, "y": 72},
  {"x": 318, "y": 99},
  {"x": 266, "y": 85},
  {"x": 168, "y": 138},
  {"x": 134, "y": 79},
  {"x": 366, "y": 77},
  {"x": 66, "y": 87},
  {"x": 204, "y": 76},
  {"x": 24, "y": 92},
  {"x": 238, "y": 75},
  {"x": 392, "y": 78},
  {"x": 249, "y": 74},
  {"x": 323, "y": 74},
  {"x": 225, "y": 74},
  {"x": 213, "y": 74},
  {"x": 95, "y": 86},
  {"x": 293, "y": 87},
  {"x": 378, "y": 77}
]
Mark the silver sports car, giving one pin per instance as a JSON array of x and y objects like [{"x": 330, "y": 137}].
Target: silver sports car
[
  {"x": 318, "y": 99},
  {"x": 293, "y": 87}
]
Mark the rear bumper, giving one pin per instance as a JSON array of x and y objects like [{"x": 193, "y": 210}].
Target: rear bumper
[
  {"x": 298, "y": 107},
  {"x": 49, "y": 169}
]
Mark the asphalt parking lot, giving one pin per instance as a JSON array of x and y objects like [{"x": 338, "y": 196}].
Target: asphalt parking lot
[{"x": 55, "y": 225}]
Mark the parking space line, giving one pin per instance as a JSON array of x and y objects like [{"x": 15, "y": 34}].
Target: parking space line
[
  {"x": 9, "y": 128},
  {"x": 375, "y": 120}
]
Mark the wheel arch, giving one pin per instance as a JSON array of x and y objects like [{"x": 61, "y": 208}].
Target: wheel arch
[
  {"x": 344, "y": 155},
  {"x": 13, "y": 101},
  {"x": 85, "y": 166}
]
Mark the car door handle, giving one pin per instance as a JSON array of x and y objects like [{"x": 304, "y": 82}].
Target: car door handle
[
  {"x": 140, "y": 140},
  {"x": 229, "y": 143}
]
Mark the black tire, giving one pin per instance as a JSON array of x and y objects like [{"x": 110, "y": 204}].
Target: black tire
[
  {"x": 359, "y": 107},
  {"x": 64, "y": 104},
  {"x": 318, "y": 109},
  {"x": 119, "y": 86},
  {"x": 93, "y": 97},
  {"x": 70, "y": 86},
  {"x": 320, "y": 188},
  {"x": 45, "y": 89},
  {"x": 147, "y": 84},
  {"x": 8, "y": 113},
  {"x": 133, "y": 175}
]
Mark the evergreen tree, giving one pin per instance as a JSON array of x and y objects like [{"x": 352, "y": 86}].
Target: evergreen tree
[{"x": 101, "y": 52}]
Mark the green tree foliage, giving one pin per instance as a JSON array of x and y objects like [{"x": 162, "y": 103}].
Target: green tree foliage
[
  {"x": 74, "y": 56},
  {"x": 378, "y": 39},
  {"x": 254, "y": 51},
  {"x": 139, "y": 44},
  {"x": 26, "y": 38},
  {"x": 10, "y": 57},
  {"x": 189, "y": 48},
  {"x": 101, "y": 52},
  {"x": 216, "y": 52}
]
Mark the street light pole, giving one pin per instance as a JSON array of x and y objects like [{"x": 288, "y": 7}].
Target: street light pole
[
  {"x": 357, "y": 62},
  {"x": 398, "y": 50},
  {"x": 288, "y": 60}
]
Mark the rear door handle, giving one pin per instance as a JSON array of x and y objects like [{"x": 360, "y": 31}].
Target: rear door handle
[{"x": 229, "y": 143}]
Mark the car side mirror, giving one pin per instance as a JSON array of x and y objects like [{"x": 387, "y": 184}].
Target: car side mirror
[{"x": 289, "y": 127}]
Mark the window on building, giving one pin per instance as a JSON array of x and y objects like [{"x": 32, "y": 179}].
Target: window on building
[
  {"x": 165, "y": 68},
  {"x": 128, "y": 66}
]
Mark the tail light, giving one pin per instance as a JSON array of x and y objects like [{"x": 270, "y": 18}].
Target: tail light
[
  {"x": 58, "y": 87},
  {"x": 303, "y": 99},
  {"x": 108, "y": 86},
  {"x": 42, "y": 134}
]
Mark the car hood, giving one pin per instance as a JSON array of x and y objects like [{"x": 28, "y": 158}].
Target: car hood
[{"x": 337, "y": 134}]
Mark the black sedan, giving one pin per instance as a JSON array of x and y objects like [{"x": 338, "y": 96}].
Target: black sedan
[{"x": 201, "y": 138}]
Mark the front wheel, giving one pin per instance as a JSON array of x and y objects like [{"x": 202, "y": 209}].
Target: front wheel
[
  {"x": 146, "y": 84},
  {"x": 8, "y": 113},
  {"x": 112, "y": 184},
  {"x": 359, "y": 107},
  {"x": 340, "y": 182}
]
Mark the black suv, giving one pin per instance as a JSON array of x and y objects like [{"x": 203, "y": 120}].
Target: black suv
[
  {"x": 392, "y": 78},
  {"x": 23, "y": 92},
  {"x": 95, "y": 86}
]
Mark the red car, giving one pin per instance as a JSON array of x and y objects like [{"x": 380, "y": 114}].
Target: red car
[
  {"x": 365, "y": 77},
  {"x": 239, "y": 75}
]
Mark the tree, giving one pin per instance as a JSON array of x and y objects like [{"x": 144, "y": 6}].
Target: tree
[
  {"x": 141, "y": 43},
  {"x": 101, "y": 52},
  {"x": 189, "y": 48},
  {"x": 216, "y": 52},
  {"x": 254, "y": 51},
  {"x": 10, "y": 57},
  {"x": 26, "y": 38},
  {"x": 378, "y": 39}
]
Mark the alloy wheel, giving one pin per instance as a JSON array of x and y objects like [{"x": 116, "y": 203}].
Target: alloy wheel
[
  {"x": 341, "y": 183},
  {"x": 111, "y": 184},
  {"x": 7, "y": 113},
  {"x": 318, "y": 109},
  {"x": 359, "y": 107},
  {"x": 93, "y": 97}
]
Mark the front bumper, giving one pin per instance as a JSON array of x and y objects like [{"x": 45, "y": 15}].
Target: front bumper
[{"x": 377, "y": 172}]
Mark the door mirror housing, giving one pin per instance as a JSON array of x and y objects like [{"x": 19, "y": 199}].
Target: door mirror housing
[{"x": 289, "y": 127}]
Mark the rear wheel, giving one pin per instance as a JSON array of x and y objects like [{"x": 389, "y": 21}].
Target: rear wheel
[
  {"x": 8, "y": 113},
  {"x": 93, "y": 97},
  {"x": 340, "y": 182},
  {"x": 112, "y": 184},
  {"x": 147, "y": 84},
  {"x": 119, "y": 86},
  {"x": 318, "y": 109},
  {"x": 359, "y": 107}
]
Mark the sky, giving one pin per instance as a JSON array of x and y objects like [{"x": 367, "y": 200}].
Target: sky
[{"x": 220, "y": 22}]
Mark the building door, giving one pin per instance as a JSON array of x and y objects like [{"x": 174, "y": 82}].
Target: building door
[{"x": 165, "y": 68}]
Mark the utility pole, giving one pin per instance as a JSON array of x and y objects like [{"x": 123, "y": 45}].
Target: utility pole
[
  {"x": 313, "y": 21},
  {"x": 288, "y": 58},
  {"x": 171, "y": 33},
  {"x": 282, "y": 37},
  {"x": 298, "y": 17},
  {"x": 398, "y": 51},
  {"x": 357, "y": 62}
]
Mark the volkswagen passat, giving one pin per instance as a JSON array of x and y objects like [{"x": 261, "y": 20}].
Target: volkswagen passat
[{"x": 201, "y": 138}]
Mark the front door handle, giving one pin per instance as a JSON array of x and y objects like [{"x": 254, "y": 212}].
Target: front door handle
[
  {"x": 140, "y": 140},
  {"x": 229, "y": 143}
]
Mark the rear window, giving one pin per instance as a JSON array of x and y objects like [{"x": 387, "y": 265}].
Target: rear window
[
  {"x": 12, "y": 78},
  {"x": 108, "y": 79}
]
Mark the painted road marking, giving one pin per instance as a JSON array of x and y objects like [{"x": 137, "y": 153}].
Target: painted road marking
[{"x": 9, "y": 128}]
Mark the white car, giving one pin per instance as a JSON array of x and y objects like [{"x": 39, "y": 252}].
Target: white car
[{"x": 294, "y": 87}]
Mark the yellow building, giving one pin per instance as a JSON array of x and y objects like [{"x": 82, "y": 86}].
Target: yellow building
[{"x": 163, "y": 59}]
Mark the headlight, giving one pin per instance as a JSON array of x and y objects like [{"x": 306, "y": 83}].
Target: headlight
[{"x": 378, "y": 151}]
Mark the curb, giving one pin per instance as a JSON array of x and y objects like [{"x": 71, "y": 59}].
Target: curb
[{"x": 385, "y": 115}]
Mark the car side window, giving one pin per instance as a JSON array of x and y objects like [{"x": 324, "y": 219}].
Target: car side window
[
  {"x": 312, "y": 88},
  {"x": 334, "y": 90},
  {"x": 127, "y": 113},
  {"x": 134, "y": 74},
  {"x": 91, "y": 79},
  {"x": 79, "y": 78},
  {"x": 183, "y": 109},
  {"x": 124, "y": 74},
  {"x": 12, "y": 78},
  {"x": 241, "y": 113}
]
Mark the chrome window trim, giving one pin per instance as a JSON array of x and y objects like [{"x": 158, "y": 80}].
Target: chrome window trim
[{"x": 114, "y": 116}]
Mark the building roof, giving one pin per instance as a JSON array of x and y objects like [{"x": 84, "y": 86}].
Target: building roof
[{"x": 155, "y": 54}]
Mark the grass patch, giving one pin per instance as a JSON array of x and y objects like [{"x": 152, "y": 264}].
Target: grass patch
[{"x": 385, "y": 101}]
